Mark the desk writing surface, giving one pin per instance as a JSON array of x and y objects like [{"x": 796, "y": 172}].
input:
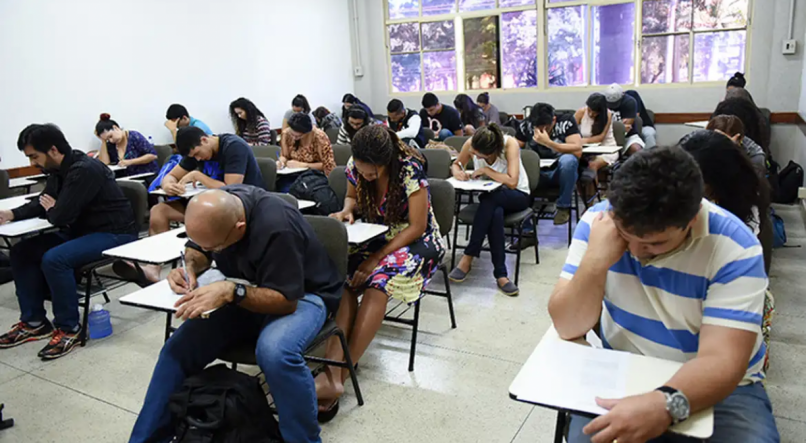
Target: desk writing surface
[
  {"x": 598, "y": 149},
  {"x": 20, "y": 183},
  {"x": 23, "y": 227},
  {"x": 158, "y": 296},
  {"x": 567, "y": 375},
  {"x": 360, "y": 232},
  {"x": 474, "y": 185},
  {"x": 157, "y": 249},
  {"x": 289, "y": 171},
  {"x": 190, "y": 191},
  {"x": 547, "y": 163},
  {"x": 137, "y": 176},
  {"x": 305, "y": 204},
  {"x": 701, "y": 124},
  {"x": 10, "y": 203}
]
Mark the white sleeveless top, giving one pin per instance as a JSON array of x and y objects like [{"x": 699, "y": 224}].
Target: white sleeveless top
[
  {"x": 586, "y": 130},
  {"x": 500, "y": 165}
]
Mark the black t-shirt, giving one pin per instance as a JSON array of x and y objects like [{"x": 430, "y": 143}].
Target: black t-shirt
[
  {"x": 280, "y": 250},
  {"x": 566, "y": 126},
  {"x": 624, "y": 109},
  {"x": 448, "y": 119},
  {"x": 235, "y": 156}
]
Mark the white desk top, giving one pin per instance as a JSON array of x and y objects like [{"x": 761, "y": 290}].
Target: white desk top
[
  {"x": 137, "y": 177},
  {"x": 115, "y": 168},
  {"x": 24, "y": 227},
  {"x": 700, "y": 125},
  {"x": 158, "y": 297},
  {"x": 598, "y": 149},
  {"x": 568, "y": 375},
  {"x": 474, "y": 185},
  {"x": 289, "y": 171},
  {"x": 21, "y": 182},
  {"x": 360, "y": 232},
  {"x": 547, "y": 163},
  {"x": 305, "y": 204},
  {"x": 156, "y": 250},
  {"x": 10, "y": 203},
  {"x": 190, "y": 191}
]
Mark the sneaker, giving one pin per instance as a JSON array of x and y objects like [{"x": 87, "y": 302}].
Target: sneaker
[
  {"x": 60, "y": 344},
  {"x": 523, "y": 244},
  {"x": 562, "y": 216},
  {"x": 22, "y": 333}
]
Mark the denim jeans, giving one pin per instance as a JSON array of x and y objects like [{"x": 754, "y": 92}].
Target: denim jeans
[
  {"x": 744, "y": 417},
  {"x": 444, "y": 133},
  {"x": 281, "y": 342},
  {"x": 489, "y": 221},
  {"x": 47, "y": 264},
  {"x": 565, "y": 176},
  {"x": 650, "y": 136}
]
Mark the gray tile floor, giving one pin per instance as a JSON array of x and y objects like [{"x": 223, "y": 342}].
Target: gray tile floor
[{"x": 458, "y": 391}]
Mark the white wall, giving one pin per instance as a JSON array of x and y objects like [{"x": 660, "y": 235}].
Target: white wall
[
  {"x": 67, "y": 61},
  {"x": 802, "y": 105}
]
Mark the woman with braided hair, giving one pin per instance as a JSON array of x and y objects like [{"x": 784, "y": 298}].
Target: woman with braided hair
[{"x": 386, "y": 185}]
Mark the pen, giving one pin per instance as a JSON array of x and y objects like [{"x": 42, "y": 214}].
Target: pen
[
  {"x": 278, "y": 160},
  {"x": 185, "y": 269}
]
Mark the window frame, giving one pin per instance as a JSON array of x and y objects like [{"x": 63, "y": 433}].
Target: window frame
[{"x": 542, "y": 7}]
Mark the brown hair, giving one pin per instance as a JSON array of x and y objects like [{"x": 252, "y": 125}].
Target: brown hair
[{"x": 729, "y": 124}]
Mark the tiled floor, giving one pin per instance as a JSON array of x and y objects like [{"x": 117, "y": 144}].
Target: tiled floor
[{"x": 458, "y": 391}]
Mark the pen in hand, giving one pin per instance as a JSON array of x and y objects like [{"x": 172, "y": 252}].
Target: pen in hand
[{"x": 185, "y": 271}]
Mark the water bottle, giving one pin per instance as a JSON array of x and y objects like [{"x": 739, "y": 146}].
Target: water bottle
[{"x": 100, "y": 322}]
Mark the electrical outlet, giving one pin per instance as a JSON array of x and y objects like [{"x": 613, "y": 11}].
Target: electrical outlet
[
  {"x": 358, "y": 71},
  {"x": 790, "y": 47}
]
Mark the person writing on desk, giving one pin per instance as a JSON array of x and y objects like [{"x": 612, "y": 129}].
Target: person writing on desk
[
  {"x": 498, "y": 158},
  {"x": 303, "y": 146},
  {"x": 253, "y": 236},
  {"x": 129, "y": 149},
  {"x": 232, "y": 156},
  {"x": 81, "y": 198},
  {"x": 667, "y": 274}
]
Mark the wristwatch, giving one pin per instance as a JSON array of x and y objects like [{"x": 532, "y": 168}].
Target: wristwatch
[
  {"x": 676, "y": 404},
  {"x": 240, "y": 294}
]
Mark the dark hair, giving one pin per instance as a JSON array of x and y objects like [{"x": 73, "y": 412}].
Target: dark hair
[
  {"x": 737, "y": 80},
  {"x": 176, "y": 111},
  {"x": 357, "y": 112},
  {"x": 483, "y": 98},
  {"x": 42, "y": 138},
  {"x": 598, "y": 103},
  {"x": 468, "y": 111},
  {"x": 320, "y": 113},
  {"x": 378, "y": 145},
  {"x": 300, "y": 122},
  {"x": 729, "y": 175},
  {"x": 542, "y": 114},
  {"x": 755, "y": 124},
  {"x": 729, "y": 124},
  {"x": 739, "y": 93},
  {"x": 188, "y": 138},
  {"x": 105, "y": 124},
  {"x": 300, "y": 101},
  {"x": 488, "y": 140},
  {"x": 656, "y": 189},
  {"x": 429, "y": 100},
  {"x": 350, "y": 98},
  {"x": 395, "y": 105},
  {"x": 252, "y": 113}
]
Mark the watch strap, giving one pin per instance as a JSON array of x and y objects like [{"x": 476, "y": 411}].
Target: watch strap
[{"x": 667, "y": 389}]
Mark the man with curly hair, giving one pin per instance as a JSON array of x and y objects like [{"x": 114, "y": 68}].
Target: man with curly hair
[{"x": 667, "y": 274}]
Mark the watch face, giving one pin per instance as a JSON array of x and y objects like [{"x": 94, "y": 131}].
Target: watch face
[
  {"x": 678, "y": 406},
  {"x": 240, "y": 290}
]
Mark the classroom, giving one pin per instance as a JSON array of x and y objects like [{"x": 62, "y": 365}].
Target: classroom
[{"x": 402, "y": 221}]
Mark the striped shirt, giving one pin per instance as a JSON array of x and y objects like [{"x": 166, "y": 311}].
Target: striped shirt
[
  {"x": 260, "y": 135},
  {"x": 656, "y": 307}
]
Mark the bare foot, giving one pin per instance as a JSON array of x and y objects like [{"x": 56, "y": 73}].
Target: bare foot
[
  {"x": 329, "y": 387},
  {"x": 152, "y": 272}
]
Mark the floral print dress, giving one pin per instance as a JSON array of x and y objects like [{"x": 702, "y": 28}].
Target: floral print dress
[{"x": 405, "y": 272}]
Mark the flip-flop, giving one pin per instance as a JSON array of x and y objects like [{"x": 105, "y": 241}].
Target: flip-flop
[
  {"x": 133, "y": 274},
  {"x": 324, "y": 416}
]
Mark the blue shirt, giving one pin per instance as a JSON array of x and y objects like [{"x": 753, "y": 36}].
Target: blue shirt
[{"x": 200, "y": 124}]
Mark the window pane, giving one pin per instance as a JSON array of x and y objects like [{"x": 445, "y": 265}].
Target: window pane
[
  {"x": 560, "y": 1},
  {"x": 481, "y": 53},
  {"x": 406, "y": 73},
  {"x": 510, "y": 3},
  {"x": 566, "y": 46},
  {"x": 717, "y": 55},
  {"x": 440, "y": 70},
  {"x": 476, "y": 5},
  {"x": 613, "y": 48},
  {"x": 720, "y": 14},
  {"x": 665, "y": 59},
  {"x": 404, "y": 8},
  {"x": 436, "y": 7},
  {"x": 404, "y": 37},
  {"x": 519, "y": 40},
  {"x": 660, "y": 16},
  {"x": 439, "y": 35}
]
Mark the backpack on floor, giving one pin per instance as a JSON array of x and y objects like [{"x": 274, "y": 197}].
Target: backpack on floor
[
  {"x": 789, "y": 180},
  {"x": 312, "y": 185},
  {"x": 778, "y": 230},
  {"x": 222, "y": 405}
]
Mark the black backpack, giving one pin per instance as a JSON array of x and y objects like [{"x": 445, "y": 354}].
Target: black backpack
[
  {"x": 222, "y": 405},
  {"x": 789, "y": 180},
  {"x": 312, "y": 185}
]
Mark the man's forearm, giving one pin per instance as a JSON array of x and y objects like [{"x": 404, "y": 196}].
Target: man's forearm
[
  {"x": 267, "y": 301},
  {"x": 196, "y": 261},
  {"x": 576, "y": 308},
  {"x": 565, "y": 148},
  {"x": 706, "y": 381}
]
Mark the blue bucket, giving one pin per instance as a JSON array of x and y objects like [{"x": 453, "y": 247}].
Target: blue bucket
[{"x": 100, "y": 324}]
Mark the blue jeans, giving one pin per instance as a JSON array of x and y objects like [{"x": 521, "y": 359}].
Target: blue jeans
[
  {"x": 744, "y": 417},
  {"x": 281, "y": 342},
  {"x": 564, "y": 175},
  {"x": 489, "y": 221},
  {"x": 46, "y": 264},
  {"x": 444, "y": 133},
  {"x": 650, "y": 137}
]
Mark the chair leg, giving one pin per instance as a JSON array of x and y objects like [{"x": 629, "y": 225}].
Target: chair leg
[
  {"x": 518, "y": 255},
  {"x": 448, "y": 295},
  {"x": 455, "y": 237},
  {"x": 415, "y": 326},
  {"x": 86, "y": 315},
  {"x": 100, "y": 285},
  {"x": 350, "y": 366},
  {"x": 559, "y": 428},
  {"x": 537, "y": 241}
]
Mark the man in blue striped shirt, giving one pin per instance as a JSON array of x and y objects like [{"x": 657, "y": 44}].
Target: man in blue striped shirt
[{"x": 667, "y": 274}]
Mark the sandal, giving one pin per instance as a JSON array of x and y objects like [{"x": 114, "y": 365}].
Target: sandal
[
  {"x": 328, "y": 414},
  {"x": 130, "y": 273}
]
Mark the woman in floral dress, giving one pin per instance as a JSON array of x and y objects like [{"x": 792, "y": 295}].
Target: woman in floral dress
[{"x": 387, "y": 185}]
